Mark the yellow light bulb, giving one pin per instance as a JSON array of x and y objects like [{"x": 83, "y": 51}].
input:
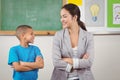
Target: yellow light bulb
[{"x": 94, "y": 10}]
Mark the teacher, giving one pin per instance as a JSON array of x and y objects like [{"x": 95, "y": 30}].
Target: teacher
[{"x": 73, "y": 47}]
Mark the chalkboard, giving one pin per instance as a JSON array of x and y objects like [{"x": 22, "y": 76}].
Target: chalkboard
[{"x": 42, "y": 15}]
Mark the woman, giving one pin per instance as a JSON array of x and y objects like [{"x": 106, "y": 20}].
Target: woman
[{"x": 73, "y": 47}]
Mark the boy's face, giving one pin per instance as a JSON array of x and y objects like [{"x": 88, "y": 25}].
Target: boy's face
[{"x": 29, "y": 36}]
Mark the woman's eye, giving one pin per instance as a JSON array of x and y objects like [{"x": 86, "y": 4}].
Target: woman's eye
[{"x": 64, "y": 16}]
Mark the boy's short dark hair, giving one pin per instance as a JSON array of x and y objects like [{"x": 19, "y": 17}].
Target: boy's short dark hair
[{"x": 21, "y": 29}]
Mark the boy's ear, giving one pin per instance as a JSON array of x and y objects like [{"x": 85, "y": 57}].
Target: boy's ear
[{"x": 21, "y": 35}]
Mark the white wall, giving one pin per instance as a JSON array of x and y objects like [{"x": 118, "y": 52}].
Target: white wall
[
  {"x": 106, "y": 64},
  {"x": 107, "y": 57}
]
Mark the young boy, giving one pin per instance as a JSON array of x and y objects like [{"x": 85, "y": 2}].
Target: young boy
[{"x": 24, "y": 58}]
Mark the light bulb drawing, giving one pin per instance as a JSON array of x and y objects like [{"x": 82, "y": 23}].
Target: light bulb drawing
[{"x": 94, "y": 11}]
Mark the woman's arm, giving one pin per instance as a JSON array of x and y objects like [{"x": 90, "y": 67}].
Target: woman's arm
[
  {"x": 58, "y": 62},
  {"x": 87, "y": 59},
  {"x": 70, "y": 60},
  {"x": 87, "y": 63}
]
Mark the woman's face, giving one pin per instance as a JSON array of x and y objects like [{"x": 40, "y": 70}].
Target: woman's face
[{"x": 66, "y": 18}]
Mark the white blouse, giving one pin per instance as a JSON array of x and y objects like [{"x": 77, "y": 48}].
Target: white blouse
[{"x": 73, "y": 75}]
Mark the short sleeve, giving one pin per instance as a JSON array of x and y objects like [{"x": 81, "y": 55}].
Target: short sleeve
[
  {"x": 38, "y": 52},
  {"x": 13, "y": 57}
]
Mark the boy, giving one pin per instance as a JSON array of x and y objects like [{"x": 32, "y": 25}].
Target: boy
[{"x": 24, "y": 58}]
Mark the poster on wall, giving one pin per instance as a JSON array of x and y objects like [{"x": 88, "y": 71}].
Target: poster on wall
[
  {"x": 95, "y": 13},
  {"x": 100, "y": 16},
  {"x": 116, "y": 13},
  {"x": 113, "y": 15},
  {"x": 77, "y": 2}
]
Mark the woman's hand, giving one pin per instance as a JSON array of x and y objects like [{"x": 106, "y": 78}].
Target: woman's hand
[
  {"x": 68, "y": 60},
  {"x": 85, "y": 56}
]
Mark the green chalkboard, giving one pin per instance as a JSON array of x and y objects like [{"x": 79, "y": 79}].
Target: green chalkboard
[{"x": 42, "y": 15}]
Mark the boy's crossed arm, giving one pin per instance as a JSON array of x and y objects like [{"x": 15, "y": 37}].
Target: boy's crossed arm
[
  {"x": 39, "y": 63},
  {"x": 26, "y": 66}
]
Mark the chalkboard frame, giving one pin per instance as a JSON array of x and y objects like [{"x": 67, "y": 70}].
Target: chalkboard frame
[{"x": 48, "y": 32}]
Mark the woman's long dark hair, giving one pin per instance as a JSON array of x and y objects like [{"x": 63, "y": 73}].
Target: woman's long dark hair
[{"x": 74, "y": 10}]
